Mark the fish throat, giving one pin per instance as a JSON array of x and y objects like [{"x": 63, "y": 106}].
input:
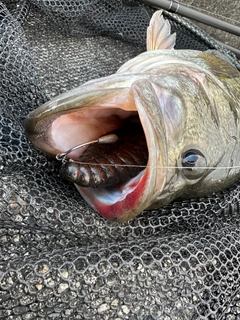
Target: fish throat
[{"x": 109, "y": 165}]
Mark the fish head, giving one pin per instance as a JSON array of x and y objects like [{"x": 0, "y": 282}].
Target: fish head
[
  {"x": 182, "y": 98},
  {"x": 87, "y": 113},
  {"x": 173, "y": 110},
  {"x": 187, "y": 142}
]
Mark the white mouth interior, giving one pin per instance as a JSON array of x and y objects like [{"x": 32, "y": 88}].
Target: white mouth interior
[
  {"x": 83, "y": 126},
  {"x": 110, "y": 196}
]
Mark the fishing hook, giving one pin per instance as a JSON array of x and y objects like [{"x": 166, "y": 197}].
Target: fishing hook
[{"x": 109, "y": 138}]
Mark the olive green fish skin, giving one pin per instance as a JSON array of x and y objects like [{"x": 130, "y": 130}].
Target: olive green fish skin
[{"x": 199, "y": 95}]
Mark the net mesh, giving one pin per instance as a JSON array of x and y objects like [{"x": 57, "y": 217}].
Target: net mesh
[{"x": 59, "y": 259}]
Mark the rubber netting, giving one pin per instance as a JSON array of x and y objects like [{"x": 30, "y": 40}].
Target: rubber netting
[{"x": 61, "y": 260}]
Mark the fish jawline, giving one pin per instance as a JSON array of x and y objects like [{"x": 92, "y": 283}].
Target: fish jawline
[{"x": 119, "y": 202}]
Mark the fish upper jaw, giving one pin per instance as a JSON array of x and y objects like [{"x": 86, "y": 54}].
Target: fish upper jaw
[
  {"x": 78, "y": 116},
  {"x": 39, "y": 133}
]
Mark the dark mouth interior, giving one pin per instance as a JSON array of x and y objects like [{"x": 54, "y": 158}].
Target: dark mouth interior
[{"x": 108, "y": 165}]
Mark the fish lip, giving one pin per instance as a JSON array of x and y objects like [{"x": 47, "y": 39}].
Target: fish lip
[
  {"x": 29, "y": 125},
  {"x": 39, "y": 121},
  {"x": 126, "y": 208},
  {"x": 37, "y": 132}
]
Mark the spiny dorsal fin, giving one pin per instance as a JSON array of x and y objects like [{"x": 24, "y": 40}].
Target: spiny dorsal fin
[
  {"x": 159, "y": 33},
  {"x": 219, "y": 66}
]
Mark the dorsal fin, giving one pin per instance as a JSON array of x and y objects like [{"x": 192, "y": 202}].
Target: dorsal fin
[
  {"x": 159, "y": 33},
  {"x": 219, "y": 65}
]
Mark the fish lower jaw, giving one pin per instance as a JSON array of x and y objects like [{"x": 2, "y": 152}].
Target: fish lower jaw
[{"x": 118, "y": 203}]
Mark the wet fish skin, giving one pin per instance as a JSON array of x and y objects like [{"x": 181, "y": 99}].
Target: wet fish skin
[{"x": 188, "y": 104}]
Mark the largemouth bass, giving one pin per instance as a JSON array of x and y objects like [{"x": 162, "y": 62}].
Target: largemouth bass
[{"x": 186, "y": 103}]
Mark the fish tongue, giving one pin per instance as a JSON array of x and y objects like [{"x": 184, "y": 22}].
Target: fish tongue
[{"x": 107, "y": 165}]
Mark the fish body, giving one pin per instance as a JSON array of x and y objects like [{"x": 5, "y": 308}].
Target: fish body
[{"x": 188, "y": 104}]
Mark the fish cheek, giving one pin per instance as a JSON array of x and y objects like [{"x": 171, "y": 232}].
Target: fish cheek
[
  {"x": 153, "y": 124},
  {"x": 174, "y": 114}
]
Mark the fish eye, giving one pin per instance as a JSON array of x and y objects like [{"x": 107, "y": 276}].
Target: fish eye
[{"x": 193, "y": 164}]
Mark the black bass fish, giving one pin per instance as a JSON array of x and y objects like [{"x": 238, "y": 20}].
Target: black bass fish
[{"x": 180, "y": 108}]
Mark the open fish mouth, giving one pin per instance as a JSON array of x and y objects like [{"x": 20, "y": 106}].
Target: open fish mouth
[
  {"x": 129, "y": 183},
  {"x": 107, "y": 164},
  {"x": 127, "y": 105},
  {"x": 112, "y": 177}
]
